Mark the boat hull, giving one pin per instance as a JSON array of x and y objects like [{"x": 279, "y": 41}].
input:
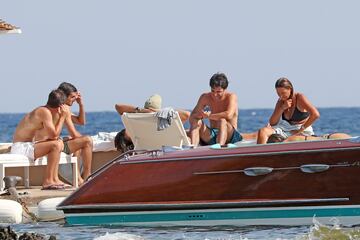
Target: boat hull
[{"x": 264, "y": 184}]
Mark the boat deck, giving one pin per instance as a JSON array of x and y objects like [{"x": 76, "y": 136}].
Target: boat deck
[{"x": 32, "y": 196}]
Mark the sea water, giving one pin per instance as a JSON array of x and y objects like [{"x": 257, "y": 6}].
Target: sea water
[
  {"x": 346, "y": 120},
  {"x": 332, "y": 120}
]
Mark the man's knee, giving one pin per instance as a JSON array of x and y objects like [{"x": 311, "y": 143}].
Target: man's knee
[
  {"x": 266, "y": 131},
  {"x": 195, "y": 123},
  {"x": 84, "y": 141},
  {"x": 88, "y": 141},
  {"x": 57, "y": 145}
]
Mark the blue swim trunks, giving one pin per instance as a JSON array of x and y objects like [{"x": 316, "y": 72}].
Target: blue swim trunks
[{"x": 236, "y": 137}]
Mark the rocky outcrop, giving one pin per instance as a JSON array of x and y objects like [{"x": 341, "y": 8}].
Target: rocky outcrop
[{"x": 6, "y": 233}]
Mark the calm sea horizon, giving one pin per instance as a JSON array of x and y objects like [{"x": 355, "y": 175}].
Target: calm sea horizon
[{"x": 338, "y": 119}]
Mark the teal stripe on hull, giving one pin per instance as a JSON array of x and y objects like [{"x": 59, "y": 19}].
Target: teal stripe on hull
[{"x": 217, "y": 216}]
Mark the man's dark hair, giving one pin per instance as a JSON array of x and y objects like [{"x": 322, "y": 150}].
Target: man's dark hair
[
  {"x": 275, "y": 138},
  {"x": 219, "y": 80},
  {"x": 67, "y": 88},
  {"x": 56, "y": 98},
  {"x": 121, "y": 143}
]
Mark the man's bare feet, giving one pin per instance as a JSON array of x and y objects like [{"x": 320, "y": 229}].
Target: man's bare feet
[{"x": 80, "y": 181}]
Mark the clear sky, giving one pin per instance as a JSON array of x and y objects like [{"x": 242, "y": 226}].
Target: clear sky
[{"x": 124, "y": 51}]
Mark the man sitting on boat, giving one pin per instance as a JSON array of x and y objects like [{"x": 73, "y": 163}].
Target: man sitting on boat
[
  {"x": 77, "y": 143},
  {"x": 153, "y": 104},
  {"x": 221, "y": 109},
  {"x": 293, "y": 114},
  {"x": 46, "y": 121}
]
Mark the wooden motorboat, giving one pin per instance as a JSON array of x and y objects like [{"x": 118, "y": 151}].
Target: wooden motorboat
[{"x": 276, "y": 184}]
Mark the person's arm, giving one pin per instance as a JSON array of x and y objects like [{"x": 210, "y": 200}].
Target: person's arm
[
  {"x": 278, "y": 111},
  {"x": 122, "y": 108},
  {"x": 70, "y": 126},
  {"x": 314, "y": 113},
  {"x": 230, "y": 111},
  {"x": 53, "y": 131},
  {"x": 79, "y": 119},
  {"x": 184, "y": 115},
  {"x": 197, "y": 112}
]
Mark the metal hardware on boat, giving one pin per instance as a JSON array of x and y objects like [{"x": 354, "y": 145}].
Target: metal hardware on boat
[
  {"x": 356, "y": 164},
  {"x": 166, "y": 149},
  {"x": 155, "y": 153},
  {"x": 257, "y": 171},
  {"x": 123, "y": 157},
  {"x": 314, "y": 168},
  {"x": 354, "y": 140}
]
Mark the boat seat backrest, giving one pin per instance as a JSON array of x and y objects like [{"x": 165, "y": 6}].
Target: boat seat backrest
[{"x": 143, "y": 130}]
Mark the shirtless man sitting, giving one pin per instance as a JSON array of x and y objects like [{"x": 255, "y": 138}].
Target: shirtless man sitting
[
  {"x": 222, "y": 113},
  {"x": 41, "y": 121},
  {"x": 77, "y": 143}
]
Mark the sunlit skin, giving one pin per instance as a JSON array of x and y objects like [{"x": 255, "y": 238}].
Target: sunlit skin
[
  {"x": 217, "y": 93},
  {"x": 284, "y": 97},
  {"x": 220, "y": 107},
  {"x": 78, "y": 144},
  {"x": 285, "y": 107},
  {"x": 74, "y": 96},
  {"x": 42, "y": 127}
]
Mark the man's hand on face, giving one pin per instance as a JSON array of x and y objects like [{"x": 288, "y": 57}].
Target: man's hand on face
[
  {"x": 64, "y": 110},
  {"x": 79, "y": 99}
]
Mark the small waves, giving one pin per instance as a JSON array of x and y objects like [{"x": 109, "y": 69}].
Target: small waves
[
  {"x": 119, "y": 236},
  {"x": 319, "y": 231}
]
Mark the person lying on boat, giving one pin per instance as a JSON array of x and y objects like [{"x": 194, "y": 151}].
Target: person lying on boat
[
  {"x": 274, "y": 138},
  {"x": 44, "y": 120},
  {"x": 122, "y": 140},
  {"x": 293, "y": 114},
  {"x": 78, "y": 144},
  {"x": 221, "y": 109},
  {"x": 6, "y": 26}
]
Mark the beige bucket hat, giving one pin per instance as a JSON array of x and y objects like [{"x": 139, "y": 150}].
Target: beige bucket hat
[{"x": 154, "y": 102}]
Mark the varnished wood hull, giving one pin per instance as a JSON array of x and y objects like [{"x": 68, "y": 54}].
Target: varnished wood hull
[{"x": 203, "y": 182}]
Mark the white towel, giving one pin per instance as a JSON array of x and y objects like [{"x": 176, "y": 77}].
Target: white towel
[
  {"x": 165, "y": 116},
  {"x": 286, "y": 127},
  {"x": 104, "y": 141}
]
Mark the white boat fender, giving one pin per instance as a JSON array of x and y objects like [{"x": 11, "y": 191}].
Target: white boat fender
[
  {"x": 10, "y": 211},
  {"x": 47, "y": 209}
]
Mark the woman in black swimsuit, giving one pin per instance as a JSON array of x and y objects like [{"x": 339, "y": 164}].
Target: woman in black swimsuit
[{"x": 292, "y": 109}]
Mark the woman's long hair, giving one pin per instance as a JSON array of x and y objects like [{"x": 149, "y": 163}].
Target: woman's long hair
[{"x": 285, "y": 83}]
